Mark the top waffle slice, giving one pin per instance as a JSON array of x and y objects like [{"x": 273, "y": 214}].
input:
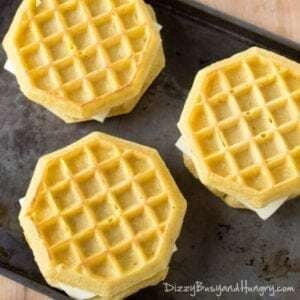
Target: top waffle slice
[
  {"x": 103, "y": 213},
  {"x": 241, "y": 121},
  {"x": 82, "y": 57}
]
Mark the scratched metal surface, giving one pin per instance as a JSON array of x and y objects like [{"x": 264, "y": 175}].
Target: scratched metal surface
[{"x": 218, "y": 245}]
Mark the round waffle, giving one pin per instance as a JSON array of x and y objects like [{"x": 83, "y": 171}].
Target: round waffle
[
  {"x": 82, "y": 58},
  {"x": 102, "y": 215},
  {"x": 241, "y": 123}
]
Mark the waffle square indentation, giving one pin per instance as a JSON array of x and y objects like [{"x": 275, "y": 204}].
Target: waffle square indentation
[
  {"x": 107, "y": 28},
  {"x": 150, "y": 245},
  {"x": 83, "y": 38},
  {"x": 130, "y": 18},
  {"x": 90, "y": 185},
  {"x": 115, "y": 173},
  {"x": 65, "y": 196},
  {"x": 138, "y": 39},
  {"x": 92, "y": 61},
  {"x": 257, "y": 179},
  {"x": 74, "y": 15},
  {"x": 210, "y": 142},
  {"x": 259, "y": 122},
  {"x": 78, "y": 161},
  {"x": 79, "y": 92},
  {"x": 59, "y": 48},
  {"x": 162, "y": 209},
  {"x": 198, "y": 118},
  {"x": 141, "y": 222},
  {"x": 55, "y": 174},
  {"x": 114, "y": 233},
  {"x": 222, "y": 108},
  {"x": 68, "y": 71},
  {"x": 138, "y": 163},
  {"x": 269, "y": 146},
  {"x": 245, "y": 157},
  {"x": 282, "y": 171},
  {"x": 78, "y": 221},
  {"x": 247, "y": 99},
  {"x": 151, "y": 186},
  {"x": 292, "y": 137},
  {"x": 220, "y": 165},
  {"x": 97, "y": 7},
  {"x": 48, "y": 25},
  {"x": 213, "y": 85},
  {"x": 128, "y": 259},
  {"x": 54, "y": 232},
  {"x": 90, "y": 245},
  {"x": 128, "y": 197},
  {"x": 43, "y": 208},
  {"x": 103, "y": 268},
  {"x": 66, "y": 255},
  {"x": 271, "y": 90},
  {"x": 259, "y": 67},
  {"x": 292, "y": 81},
  {"x": 235, "y": 133},
  {"x": 34, "y": 57},
  {"x": 27, "y": 36},
  {"x": 117, "y": 50},
  {"x": 102, "y": 151},
  {"x": 237, "y": 75},
  {"x": 102, "y": 209}
]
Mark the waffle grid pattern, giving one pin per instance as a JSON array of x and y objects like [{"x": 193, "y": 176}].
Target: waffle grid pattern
[
  {"x": 246, "y": 122},
  {"x": 84, "y": 49},
  {"x": 102, "y": 210}
]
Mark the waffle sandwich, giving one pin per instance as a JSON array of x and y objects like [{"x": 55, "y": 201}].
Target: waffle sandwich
[
  {"x": 241, "y": 131},
  {"x": 101, "y": 217},
  {"x": 84, "y": 59}
]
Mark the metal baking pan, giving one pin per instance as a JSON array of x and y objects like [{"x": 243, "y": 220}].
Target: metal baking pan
[{"x": 218, "y": 244}]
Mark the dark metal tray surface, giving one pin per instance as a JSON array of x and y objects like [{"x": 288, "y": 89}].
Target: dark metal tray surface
[{"x": 218, "y": 245}]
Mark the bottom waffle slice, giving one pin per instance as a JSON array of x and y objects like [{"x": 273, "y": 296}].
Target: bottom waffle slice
[{"x": 75, "y": 293}]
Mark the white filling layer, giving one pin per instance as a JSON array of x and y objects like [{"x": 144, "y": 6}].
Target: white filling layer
[
  {"x": 267, "y": 211},
  {"x": 158, "y": 27},
  {"x": 21, "y": 201},
  {"x": 75, "y": 293},
  {"x": 102, "y": 116},
  {"x": 264, "y": 213},
  {"x": 8, "y": 66}
]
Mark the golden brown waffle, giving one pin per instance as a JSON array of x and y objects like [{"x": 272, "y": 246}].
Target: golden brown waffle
[
  {"x": 80, "y": 58},
  {"x": 241, "y": 123},
  {"x": 102, "y": 215}
]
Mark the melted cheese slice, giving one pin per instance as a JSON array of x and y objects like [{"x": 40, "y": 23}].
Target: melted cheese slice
[
  {"x": 264, "y": 213},
  {"x": 102, "y": 116},
  {"x": 75, "y": 293},
  {"x": 8, "y": 66}
]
